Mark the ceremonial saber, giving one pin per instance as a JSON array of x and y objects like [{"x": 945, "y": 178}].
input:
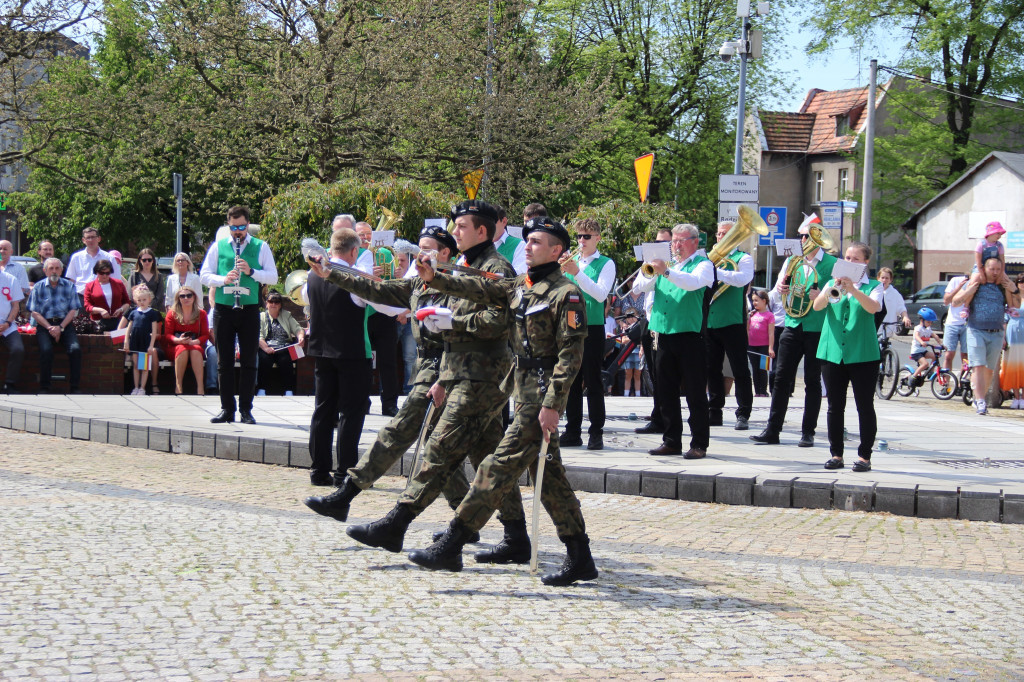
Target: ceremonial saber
[
  {"x": 538, "y": 485},
  {"x": 419, "y": 442}
]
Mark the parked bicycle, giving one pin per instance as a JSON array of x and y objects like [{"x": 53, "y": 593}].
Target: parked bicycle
[
  {"x": 888, "y": 367},
  {"x": 944, "y": 382}
]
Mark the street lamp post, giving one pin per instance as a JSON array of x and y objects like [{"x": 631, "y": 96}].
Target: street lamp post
[{"x": 746, "y": 50}]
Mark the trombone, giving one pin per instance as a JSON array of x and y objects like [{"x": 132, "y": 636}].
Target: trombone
[
  {"x": 314, "y": 253},
  {"x": 449, "y": 266}
]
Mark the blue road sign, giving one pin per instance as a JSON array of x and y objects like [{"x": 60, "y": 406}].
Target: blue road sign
[{"x": 775, "y": 217}]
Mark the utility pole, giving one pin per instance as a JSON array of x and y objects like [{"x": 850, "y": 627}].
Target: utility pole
[
  {"x": 177, "y": 197},
  {"x": 869, "y": 161}
]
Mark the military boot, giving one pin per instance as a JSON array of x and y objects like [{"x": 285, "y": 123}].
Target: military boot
[
  {"x": 578, "y": 564},
  {"x": 337, "y": 503},
  {"x": 387, "y": 533},
  {"x": 514, "y": 548},
  {"x": 471, "y": 539},
  {"x": 446, "y": 553}
]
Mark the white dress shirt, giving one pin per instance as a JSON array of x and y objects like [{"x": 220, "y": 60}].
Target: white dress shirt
[
  {"x": 173, "y": 283},
  {"x": 266, "y": 273},
  {"x": 600, "y": 289},
  {"x": 80, "y": 267},
  {"x": 895, "y": 306},
  {"x": 18, "y": 272},
  {"x": 741, "y": 276},
  {"x": 702, "y": 276},
  {"x": 813, "y": 261},
  {"x": 519, "y": 257}
]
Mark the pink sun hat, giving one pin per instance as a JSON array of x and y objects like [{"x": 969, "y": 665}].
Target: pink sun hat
[
  {"x": 116, "y": 255},
  {"x": 994, "y": 228}
]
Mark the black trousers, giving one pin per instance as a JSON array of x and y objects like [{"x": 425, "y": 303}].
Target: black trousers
[
  {"x": 383, "y": 333},
  {"x": 775, "y": 347},
  {"x": 757, "y": 375},
  {"x": 245, "y": 323},
  {"x": 794, "y": 345},
  {"x": 682, "y": 359},
  {"x": 650, "y": 359},
  {"x": 864, "y": 377},
  {"x": 341, "y": 386},
  {"x": 281, "y": 359},
  {"x": 590, "y": 374},
  {"x": 728, "y": 341}
]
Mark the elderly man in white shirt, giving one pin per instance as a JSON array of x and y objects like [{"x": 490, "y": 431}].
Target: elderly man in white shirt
[
  {"x": 82, "y": 263},
  {"x": 15, "y": 270},
  {"x": 11, "y": 297}
]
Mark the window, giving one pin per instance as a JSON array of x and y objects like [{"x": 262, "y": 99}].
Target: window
[
  {"x": 844, "y": 182},
  {"x": 842, "y": 125},
  {"x": 819, "y": 186}
]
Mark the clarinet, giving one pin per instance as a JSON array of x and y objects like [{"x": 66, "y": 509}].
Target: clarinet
[{"x": 238, "y": 254}]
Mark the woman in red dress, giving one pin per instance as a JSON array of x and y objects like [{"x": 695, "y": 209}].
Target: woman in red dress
[{"x": 185, "y": 334}]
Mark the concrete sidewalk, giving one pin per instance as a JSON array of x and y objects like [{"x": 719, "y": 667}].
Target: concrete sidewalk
[{"x": 942, "y": 461}]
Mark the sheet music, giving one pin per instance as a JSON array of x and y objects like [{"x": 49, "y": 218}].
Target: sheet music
[
  {"x": 653, "y": 251},
  {"x": 382, "y": 238},
  {"x": 788, "y": 247},
  {"x": 844, "y": 268},
  {"x": 638, "y": 252}
]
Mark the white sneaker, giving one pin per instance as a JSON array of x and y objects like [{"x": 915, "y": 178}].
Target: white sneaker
[
  {"x": 981, "y": 406},
  {"x": 288, "y": 393},
  {"x": 261, "y": 393},
  {"x": 1018, "y": 404}
]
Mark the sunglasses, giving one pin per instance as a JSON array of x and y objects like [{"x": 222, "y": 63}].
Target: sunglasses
[
  {"x": 145, "y": 260},
  {"x": 238, "y": 228},
  {"x": 186, "y": 295},
  {"x": 586, "y": 237},
  {"x": 104, "y": 272},
  {"x": 273, "y": 302}
]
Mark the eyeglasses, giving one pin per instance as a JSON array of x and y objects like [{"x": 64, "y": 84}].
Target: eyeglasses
[
  {"x": 145, "y": 260},
  {"x": 273, "y": 303},
  {"x": 104, "y": 272},
  {"x": 186, "y": 295},
  {"x": 585, "y": 237},
  {"x": 238, "y": 228}
]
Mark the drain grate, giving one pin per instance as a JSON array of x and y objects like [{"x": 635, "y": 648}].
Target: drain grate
[{"x": 981, "y": 463}]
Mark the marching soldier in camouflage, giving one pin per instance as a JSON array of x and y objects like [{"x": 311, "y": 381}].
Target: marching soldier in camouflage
[
  {"x": 475, "y": 359},
  {"x": 401, "y": 432},
  {"x": 550, "y": 326}
]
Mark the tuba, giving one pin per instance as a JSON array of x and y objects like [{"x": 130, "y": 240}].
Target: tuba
[
  {"x": 748, "y": 224},
  {"x": 382, "y": 255},
  {"x": 294, "y": 284},
  {"x": 801, "y": 275}
]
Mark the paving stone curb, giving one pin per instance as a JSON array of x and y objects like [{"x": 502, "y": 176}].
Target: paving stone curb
[{"x": 969, "y": 502}]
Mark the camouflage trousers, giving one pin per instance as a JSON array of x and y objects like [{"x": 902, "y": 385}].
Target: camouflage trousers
[
  {"x": 499, "y": 474},
  {"x": 470, "y": 426},
  {"x": 396, "y": 437}
]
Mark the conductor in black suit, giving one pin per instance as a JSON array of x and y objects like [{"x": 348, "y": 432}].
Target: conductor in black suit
[{"x": 340, "y": 348}]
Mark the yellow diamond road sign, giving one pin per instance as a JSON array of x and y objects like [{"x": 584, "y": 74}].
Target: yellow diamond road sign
[
  {"x": 643, "y": 167},
  {"x": 472, "y": 181}
]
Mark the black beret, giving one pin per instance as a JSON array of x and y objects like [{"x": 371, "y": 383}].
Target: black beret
[
  {"x": 477, "y": 208},
  {"x": 443, "y": 237},
  {"x": 545, "y": 224}
]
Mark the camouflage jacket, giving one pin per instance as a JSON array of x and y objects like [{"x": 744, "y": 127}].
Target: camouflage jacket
[
  {"x": 476, "y": 347},
  {"x": 549, "y": 327}
]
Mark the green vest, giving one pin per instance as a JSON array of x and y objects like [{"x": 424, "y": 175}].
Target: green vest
[
  {"x": 676, "y": 310},
  {"x": 595, "y": 308},
  {"x": 509, "y": 246},
  {"x": 812, "y": 321},
  {"x": 226, "y": 263},
  {"x": 729, "y": 308},
  {"x": 849, "y": 334}
]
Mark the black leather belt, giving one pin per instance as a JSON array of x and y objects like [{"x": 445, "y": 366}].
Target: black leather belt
[
  {"x": 430, "y": 354},
  {"x": 475, "y": 346},
  {"x": 523, "y": 362}
]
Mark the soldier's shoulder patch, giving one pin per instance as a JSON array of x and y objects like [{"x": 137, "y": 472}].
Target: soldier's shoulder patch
[
  {"x": 573, "y": 319},
  {"x": 574, "y": 298}
]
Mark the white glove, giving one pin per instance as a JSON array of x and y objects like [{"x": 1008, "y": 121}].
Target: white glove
[{"x": 435, "y": 319}]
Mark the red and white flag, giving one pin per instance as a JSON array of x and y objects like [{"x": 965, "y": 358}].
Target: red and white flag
[
  {"x": 117, "y": 336},
  {"x": 809, "y": 220},
  {"x": 295, "y": 351}
]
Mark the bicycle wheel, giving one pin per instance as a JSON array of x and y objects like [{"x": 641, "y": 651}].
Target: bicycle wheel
[
  {"x": 887, "y": 374},
  {"x": 944, "y": 385},
  {"x": 903, "y": 385},
  {"x": 967, "y": 393}
]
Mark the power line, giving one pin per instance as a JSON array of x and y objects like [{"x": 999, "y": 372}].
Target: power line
[{"x": 928, "y": 83}]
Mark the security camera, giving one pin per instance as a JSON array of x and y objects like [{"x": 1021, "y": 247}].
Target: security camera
[{"x": 726, "y": 52}]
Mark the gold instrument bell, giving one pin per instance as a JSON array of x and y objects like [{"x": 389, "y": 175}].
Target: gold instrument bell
[
  {"x": 747, "y": 225},
  {"x": 293, "y": 285},
  {"x": 801, "y": 275},
  {"x": 382, "y": 255}
]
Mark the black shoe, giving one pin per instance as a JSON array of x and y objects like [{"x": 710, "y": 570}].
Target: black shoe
[
  {"x": 10, "y": 389},
  {"x": 337, "y": 503},
  {"x": 742, "y": 424},
  {"x": 223, "y": 417},
  {"x": 696, "y": 453},
  {"x": 246, "y": 417},
  {"x": 578, "y": 564},
  {"x": 650, "y": 428},
  {"x": 387, "y": 533},
  {"x": 320, "y": 478},
  {"x": 806, "y": 441},
  {"x": 714, "y": 420},
  {"x": 471, "y": 539},
  {"x": 446, "y": 553},
  {"x": 767, "y": 436},
  {"x": 595, "y": 442},
  {"x": 514, "y": 547},
  {"x": 664, "y": 450},
  {"x": 861, "y": 465},
  {"x": 570, "y": 442},
  {"x": 834, "y": 463},
  {"x": 389, "y": 411}
]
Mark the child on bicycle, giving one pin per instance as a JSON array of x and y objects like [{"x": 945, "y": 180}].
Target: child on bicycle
[{"x": 922, "y": 349}]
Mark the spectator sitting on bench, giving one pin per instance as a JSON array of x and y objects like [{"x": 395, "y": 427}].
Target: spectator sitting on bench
[
  {"x": 10, "y": 302},
  {"x": 185, "y": 334},
  {"x": 278, "y": 329},
  {"x": 54, "y": 304},
  {"x": 106, "y": 297},
  {"x": 211, "y": 348}
]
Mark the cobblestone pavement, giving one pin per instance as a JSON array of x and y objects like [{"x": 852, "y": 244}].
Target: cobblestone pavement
[{"x": 122, "y": 564}]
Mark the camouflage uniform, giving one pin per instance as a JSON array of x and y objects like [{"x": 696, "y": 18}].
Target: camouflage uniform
[
  {"x": 475, "y": 360},
  {"x": 395, "y": 438},
  {"x": 548, "y": 334}
]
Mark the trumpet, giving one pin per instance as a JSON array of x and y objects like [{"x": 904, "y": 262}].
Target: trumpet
[
  {"x": 449, "y": 266},
  {"x": 835, "y": 293},
  {"x": 619, "y": 293},
  {"x": 575, "y": 253}
]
